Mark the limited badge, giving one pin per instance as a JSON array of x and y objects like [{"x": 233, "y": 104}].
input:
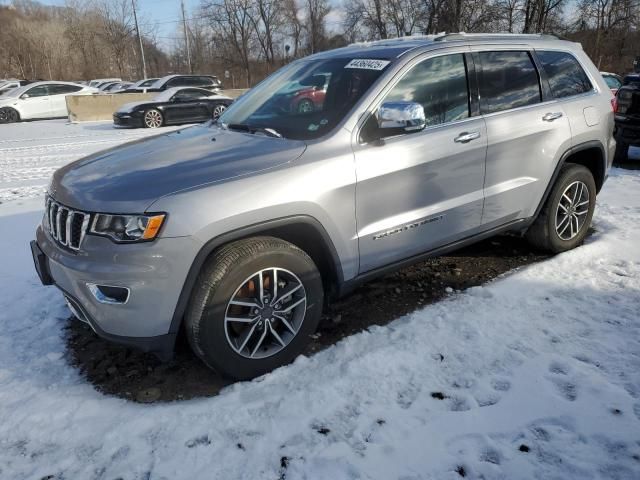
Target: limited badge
[{"x": 367, "y": 64}]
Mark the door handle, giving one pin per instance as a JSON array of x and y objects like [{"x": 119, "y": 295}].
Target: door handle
[
  {"x": 551, "y": 116},
  {"x": 465, "y": 137}
]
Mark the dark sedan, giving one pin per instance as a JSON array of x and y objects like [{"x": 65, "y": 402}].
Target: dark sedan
[{"x": 173, "y": 106}]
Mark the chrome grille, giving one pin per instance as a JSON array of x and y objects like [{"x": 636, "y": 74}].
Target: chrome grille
[{"x": 67, "y": 226}]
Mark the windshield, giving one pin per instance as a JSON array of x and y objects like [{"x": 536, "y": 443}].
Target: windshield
[{"x": 306, "y": 99}]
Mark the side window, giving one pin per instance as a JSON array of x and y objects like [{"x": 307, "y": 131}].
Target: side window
[
  {"x": 188, "y": 94},
  {"x": 440, "y": 85},
  {"x": 63, "y": 89},
  {"x": 507, "y": 80},
  {"x": 566, "y": 76},
  {"x": 39, "y": 91},
  {"x": 176, "y": 82},
  {"x": 612, "y": 82}
]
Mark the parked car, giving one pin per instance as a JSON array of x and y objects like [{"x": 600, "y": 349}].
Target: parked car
[
  {"x": 119, "y": 87},
  {"x": 8, "y": 85},
  {"x": 99, "y": 81},
  {"x": 173, "y": 107},
  {"x": 239, "y": 231},
  {"x": 39, "y": 100},
  {"x": 208, "y": 82},
  {"x": 627, "y": 116},
  {"x": 113, "y": 87},
  {"x": 304, "y": 98},
  {"x": 613, "y": 81}
]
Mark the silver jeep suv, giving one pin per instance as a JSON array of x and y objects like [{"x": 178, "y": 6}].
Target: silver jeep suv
[{"x": 337, "y": 168}]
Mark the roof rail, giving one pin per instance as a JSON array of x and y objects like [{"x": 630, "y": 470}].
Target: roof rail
[
  {"x": 494, "y": 36},
  {"x": 406, "y": 38}
]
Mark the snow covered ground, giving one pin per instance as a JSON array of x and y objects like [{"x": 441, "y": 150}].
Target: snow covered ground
[{"x": 535, "y": 375}]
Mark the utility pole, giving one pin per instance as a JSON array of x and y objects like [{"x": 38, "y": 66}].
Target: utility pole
[
  {"x": 186, "y": 37},
  {"x": 135, "y": 19}
]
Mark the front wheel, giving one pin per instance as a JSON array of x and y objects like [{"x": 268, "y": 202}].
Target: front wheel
[
  {"x": 218, "y": 110},
  {"x": 9, "y": 115},
  {"x": 254, "y": 306},
  {"x": 564, "y": 220},
  {"x": 153, "y": 118}
]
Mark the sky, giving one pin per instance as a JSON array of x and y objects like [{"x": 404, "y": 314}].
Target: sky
[{"x": 166, "y": 16}]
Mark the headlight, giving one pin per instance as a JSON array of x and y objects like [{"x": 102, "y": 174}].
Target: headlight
[{"x": 127, "y": 228}]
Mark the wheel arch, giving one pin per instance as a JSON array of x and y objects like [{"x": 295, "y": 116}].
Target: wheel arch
[
  {"x": 588, "y": 154},
  {"x": 304, "y": 231}
]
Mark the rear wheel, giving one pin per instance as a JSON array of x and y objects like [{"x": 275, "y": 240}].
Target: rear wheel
[
  {"x": 153, "y": 118},
  {"x": 566, "y": 216},
  {"x": 9, "y": 115},
  {"x": 254, "y": 306}
]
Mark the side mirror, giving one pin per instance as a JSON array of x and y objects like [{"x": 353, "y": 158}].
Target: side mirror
[
  {"x": 401, "y": 116},
  {"x": 24, "y": 95}
]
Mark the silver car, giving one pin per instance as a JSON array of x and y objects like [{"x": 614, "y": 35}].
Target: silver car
[{"x": 239, "y": 231}]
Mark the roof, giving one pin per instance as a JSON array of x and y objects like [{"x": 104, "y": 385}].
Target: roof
[{"x": 395, "y": 47}]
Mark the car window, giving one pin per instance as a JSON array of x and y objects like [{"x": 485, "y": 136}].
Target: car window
[
  {"x": 507, "y": 80},
  {"x": 612, "y": 82},
  {"x": 440, "y": 85},
  {"x": 39, "y": 91},
  {"x": 63, "y": 89},
  {"x": 190, "y": 93},
  {"x": 566, "y": 76},
  {"x": 202, "y": 81}
]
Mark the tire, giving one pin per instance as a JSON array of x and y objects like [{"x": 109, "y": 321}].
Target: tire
[
  {"x": 622, "y": 152},
  {"x": 305, "y": 106},
  {"x": 218, "y": 110},
  {"x": 152, "y": 118},
  {"x": 226, "y": 277},
  {"x": 9, "y": 115},
  {"x": 543, "y": 234}
]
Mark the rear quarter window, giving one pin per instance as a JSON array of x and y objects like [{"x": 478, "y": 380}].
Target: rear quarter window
[{"x": 565, "y": 74}]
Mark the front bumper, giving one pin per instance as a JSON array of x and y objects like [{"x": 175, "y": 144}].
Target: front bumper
[
  {"x": 154, "y": 272},
  {"x": 127, "y": 120}
]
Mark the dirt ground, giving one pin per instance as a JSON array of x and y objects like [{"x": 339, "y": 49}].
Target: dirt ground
[{"x": 140, "y": 377}]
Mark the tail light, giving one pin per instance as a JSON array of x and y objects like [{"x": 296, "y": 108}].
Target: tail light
[{"x": 614, "y": 104}]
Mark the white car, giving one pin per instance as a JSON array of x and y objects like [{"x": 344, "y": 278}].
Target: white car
[
  {"x": 8, "y": 85},
  {"x": 39, "y": 100}
]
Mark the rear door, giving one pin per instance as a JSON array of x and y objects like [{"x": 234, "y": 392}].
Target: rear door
[
  {"x": 417, "y": 191},
  {"x": 57, "y": 98},
  {"x": 34, "y": 103},
  {"x": 527, "y": 132}
]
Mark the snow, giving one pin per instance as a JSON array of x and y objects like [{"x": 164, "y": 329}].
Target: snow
[
  {"x": 547, "y": 357},
  {"x": 31, "y": 152}
]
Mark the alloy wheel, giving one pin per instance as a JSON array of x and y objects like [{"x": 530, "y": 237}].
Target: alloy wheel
[
  {"x": 265, "y": 313},
  {"x": 218, "y": 110},
  {"x": 153, "y": 119},
  {"x": 572, "y": 210}
]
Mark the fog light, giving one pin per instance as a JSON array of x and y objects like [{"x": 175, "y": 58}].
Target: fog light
[{"x": 110, "y": 294}]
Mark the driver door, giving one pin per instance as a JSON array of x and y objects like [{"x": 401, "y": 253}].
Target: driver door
[
  {"x": 422, "y": 190},
  {"x": 35, "y": 103},
  {"x": 187, "y": 106}
]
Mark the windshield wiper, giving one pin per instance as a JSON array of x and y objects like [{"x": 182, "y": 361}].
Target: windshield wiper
[{"x": 270, "y": 132}]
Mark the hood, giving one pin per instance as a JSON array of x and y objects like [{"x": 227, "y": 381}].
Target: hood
[{"x": 128, "y": 178}]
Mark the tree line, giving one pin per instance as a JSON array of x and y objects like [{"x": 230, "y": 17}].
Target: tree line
[{"x": 251, "y": 38}]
